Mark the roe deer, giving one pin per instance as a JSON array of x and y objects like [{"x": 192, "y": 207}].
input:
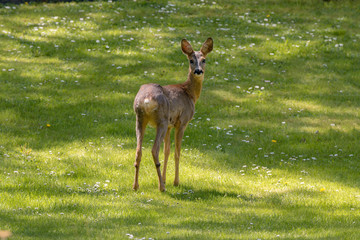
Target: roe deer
[{"x": 167, "y": 107}]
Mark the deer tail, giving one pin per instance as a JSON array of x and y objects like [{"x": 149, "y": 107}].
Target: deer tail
[{"x": 150, "y": 105}]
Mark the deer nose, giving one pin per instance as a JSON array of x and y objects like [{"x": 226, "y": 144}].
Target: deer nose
[{"x": 198, "y": 71}]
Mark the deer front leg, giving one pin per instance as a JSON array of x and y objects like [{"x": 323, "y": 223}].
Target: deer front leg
[
  {"x": 179, "y": 133},
  {"x": 140, "y": 131},
  {"x": 160, "y": 133},
  {"x": 166, "y": 153}
]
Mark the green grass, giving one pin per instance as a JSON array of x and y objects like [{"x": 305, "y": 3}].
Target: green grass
[{"x": 272, "y": 152}]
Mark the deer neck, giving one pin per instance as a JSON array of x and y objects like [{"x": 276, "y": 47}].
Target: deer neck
[{"x": 194, "y": 86}]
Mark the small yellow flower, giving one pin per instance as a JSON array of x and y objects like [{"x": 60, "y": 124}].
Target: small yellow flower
[
  {"x": 268, "y": 15},
  {"x": 274, "y": 141},
  {"x": 26, "y": 3},
  {"x": 48, "y": 125},
  {"x": 322, "y": 189}
]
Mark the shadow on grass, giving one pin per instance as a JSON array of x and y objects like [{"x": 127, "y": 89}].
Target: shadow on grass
[{"x": 270, "y": 214}]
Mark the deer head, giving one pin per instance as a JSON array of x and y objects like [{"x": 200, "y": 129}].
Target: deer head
[{"x": 197, "y": 58}]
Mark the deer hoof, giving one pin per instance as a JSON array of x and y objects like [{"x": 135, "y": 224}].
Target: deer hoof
[
  {"x": 162, "y": 188},
  {"x": 176, "y": 183},
  {"x": 135, "y": 186}
]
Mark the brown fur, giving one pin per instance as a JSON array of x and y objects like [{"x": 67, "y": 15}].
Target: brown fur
[{"x": 167, "y": 107}]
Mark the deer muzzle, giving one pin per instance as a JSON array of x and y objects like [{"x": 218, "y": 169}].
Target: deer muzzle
[{"x": 198, "y": 71}]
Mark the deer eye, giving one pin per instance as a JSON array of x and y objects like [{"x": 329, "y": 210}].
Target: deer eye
[
  {"x": 203, "y": 61},
  {"x": 191, "y": 61}
]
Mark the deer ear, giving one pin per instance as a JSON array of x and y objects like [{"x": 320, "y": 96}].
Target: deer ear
[
  {"x": 207, "y": 46},
  {"x": 186, "y": 47}
]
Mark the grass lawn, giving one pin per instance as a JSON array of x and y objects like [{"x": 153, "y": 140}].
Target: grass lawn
[{"x": 273, "y": 149}]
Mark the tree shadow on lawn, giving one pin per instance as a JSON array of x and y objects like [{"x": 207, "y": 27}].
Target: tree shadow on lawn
[
  {"x": 66, "y": 224},
  {"x": 244, "y": 214}
]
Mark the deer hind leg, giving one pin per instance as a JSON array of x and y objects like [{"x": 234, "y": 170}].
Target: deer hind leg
[
  {"x": 160, "y": 134},
  {"x": 166, "y": 152},
  {"x": 179, "y": 133},
  {"x": 140, "y": 131}
]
